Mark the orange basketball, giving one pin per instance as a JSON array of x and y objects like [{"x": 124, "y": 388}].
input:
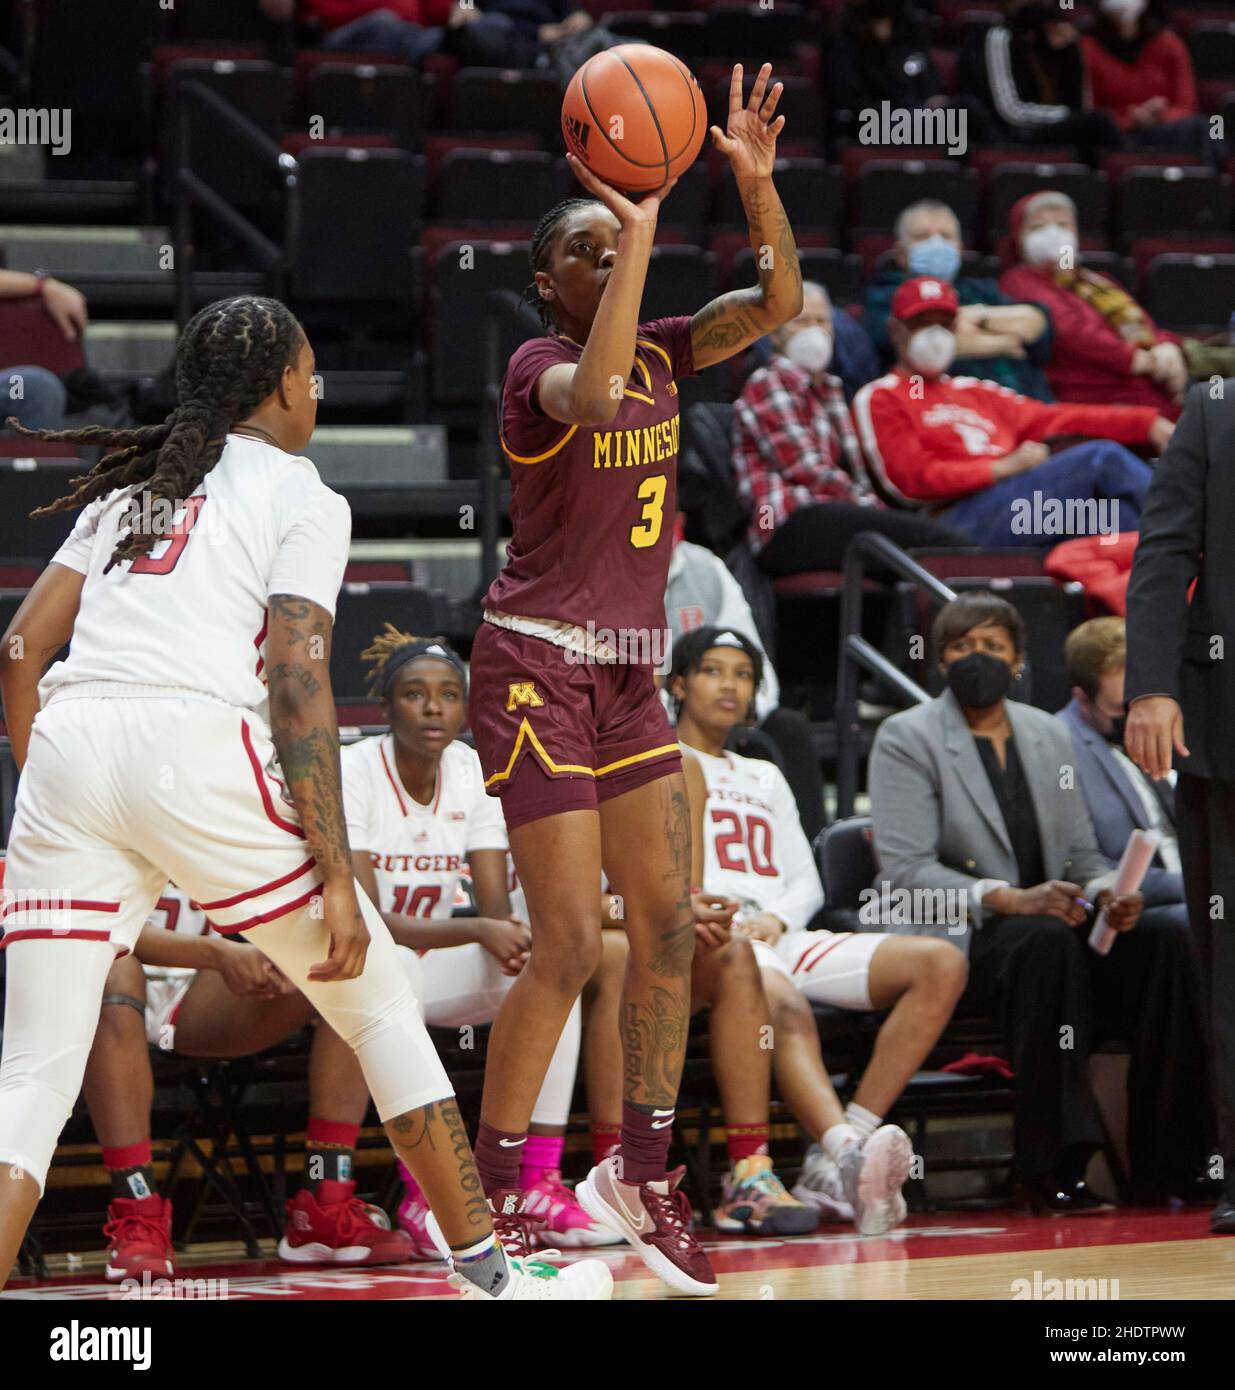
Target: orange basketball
[{"x": 635, "y": 116}]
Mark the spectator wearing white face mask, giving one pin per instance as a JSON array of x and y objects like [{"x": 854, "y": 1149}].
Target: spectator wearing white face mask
[
  {"x": 798, "y": 462},
  {"x": 973, "y": 454},
  {"x": 995, "y": 338},
  {"x": 1107, "y": 348}
]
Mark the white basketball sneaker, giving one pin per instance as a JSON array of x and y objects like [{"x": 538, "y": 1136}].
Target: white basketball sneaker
[
  {"x": 873, "y": 1175},
  {"x": 585, "y": 1281},
  {"x": 820, "y": 1185}
]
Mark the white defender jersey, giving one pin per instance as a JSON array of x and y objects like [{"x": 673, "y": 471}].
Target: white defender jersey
[
  {"x": 419, "y": 853},
  {"x": 756, "y": 849},
  {"x": 192, "y": 614}
]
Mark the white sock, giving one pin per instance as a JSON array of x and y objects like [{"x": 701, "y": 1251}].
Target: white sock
[
  {"x": 837, "y": 1139},
  {"x": 862, "y": 1120}
]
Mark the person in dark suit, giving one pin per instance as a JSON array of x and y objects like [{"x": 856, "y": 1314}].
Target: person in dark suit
[
  {"x": 1180, "y": 691},
  {"x": 967, "y": 797},
  {"x": 1119, "y": 796}
]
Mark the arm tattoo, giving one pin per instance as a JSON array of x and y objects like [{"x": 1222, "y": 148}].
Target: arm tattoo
[{"x": 303, "y": 727}]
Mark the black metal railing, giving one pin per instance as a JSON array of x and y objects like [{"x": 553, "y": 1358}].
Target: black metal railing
[
  {"x": 869, "y": 550},
  {"x": 251, "y": 142}
]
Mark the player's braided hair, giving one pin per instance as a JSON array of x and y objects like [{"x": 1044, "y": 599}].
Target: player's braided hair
[
  {"x": 229, "y": 359},
  {"x": 390, "y": 648},
  {"x": 542, "y": 241}
]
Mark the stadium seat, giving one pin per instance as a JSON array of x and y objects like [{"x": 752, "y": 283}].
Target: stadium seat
[
  {"x": 1171, "y": 201},
  {"x": 260, "y": 91},
  {"x": 680, "y": 280},
  {"x": 886, "y": 187},
  {"x": 781, "y": 31},
  {"x": 27, "y": 335},
  {"x": 359, "y": 211},
  {"x": 502, "y": 99},
  {"x": 1005, "y": 185},
  {"x": 812, "y": 191},
  {"x": 845, "y": 858},
  {"x": 366, "y": 97},
  {"x": 838, "y": 272},
  {"x": 687, "y": 208},
  {"x": 479, "y": 186},
  {"x": 679, "y": 32},
  {"x": 799, "y": 103},
  {"x": 1212, "y": 46},
  {"x": 362, "y": 611},
  {"x": 855, "y": 157},
  {"x": 1191, "y": 293},
  {"x": 1143, "y": 251},
  {"x": 1115, "y": 166},
  {"x": 457, "y": 309},
  {"x": 987, "y": 158}
]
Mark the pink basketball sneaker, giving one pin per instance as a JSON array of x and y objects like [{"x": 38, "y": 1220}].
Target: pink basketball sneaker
[{"x": 566, "y": 1225}]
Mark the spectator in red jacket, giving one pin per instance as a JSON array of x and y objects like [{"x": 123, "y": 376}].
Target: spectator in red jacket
[
  {"x": 797, "y": 460},
  {"x": 1107, "y": 348},
  {"x": 1140, "y": 72},
  {"x": 973, "y": 452}
]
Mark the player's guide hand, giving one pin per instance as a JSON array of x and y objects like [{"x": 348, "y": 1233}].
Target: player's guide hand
[{"x": 349, "y": 937}]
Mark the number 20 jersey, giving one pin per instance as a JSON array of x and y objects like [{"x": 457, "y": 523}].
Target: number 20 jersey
[
  {"x": 755, "y": 847},
  {"x": 592, "y": 508}
]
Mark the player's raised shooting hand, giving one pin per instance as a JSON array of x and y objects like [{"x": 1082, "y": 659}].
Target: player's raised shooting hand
[
  {"x": 630, "y": 214},
  {"x": 749, "y": 138},
  {"x": 349, "y": 937}
]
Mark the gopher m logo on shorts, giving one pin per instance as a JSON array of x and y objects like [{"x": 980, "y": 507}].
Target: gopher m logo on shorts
[{"x": 523, "y": 693}]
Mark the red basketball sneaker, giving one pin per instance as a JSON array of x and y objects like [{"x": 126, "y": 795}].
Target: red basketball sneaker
[
  {"x": 654, "y": 1217},
  {"x": 333, "y": 1226},
  {"x": 140, "y": 1231}
]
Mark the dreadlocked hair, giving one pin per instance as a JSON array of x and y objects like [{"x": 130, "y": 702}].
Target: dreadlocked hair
[
  {"x": 230, "y": 357},
  {"x": 389, "y": 641},
  {"x": 542, "y": 240}
]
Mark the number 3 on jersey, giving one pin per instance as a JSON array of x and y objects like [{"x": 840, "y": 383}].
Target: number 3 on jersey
[
  {"x": 652, "y": 494},
  {"x": 177, "y": 539}
]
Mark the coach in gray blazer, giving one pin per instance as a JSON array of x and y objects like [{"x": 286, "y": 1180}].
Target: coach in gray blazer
[{"x": 973, "y": 792}]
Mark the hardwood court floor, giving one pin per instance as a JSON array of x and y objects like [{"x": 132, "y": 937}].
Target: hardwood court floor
[{"x": 955, "y": 1256}]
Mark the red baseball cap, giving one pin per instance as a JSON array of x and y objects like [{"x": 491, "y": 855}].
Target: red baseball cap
[{"x": 922, "y": 294}]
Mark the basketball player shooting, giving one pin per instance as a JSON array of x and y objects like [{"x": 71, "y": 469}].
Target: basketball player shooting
[{"x": 576, "y": 743}]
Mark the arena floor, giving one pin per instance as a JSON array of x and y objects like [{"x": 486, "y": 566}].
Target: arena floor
[{"x": 1152, "y": 1254}]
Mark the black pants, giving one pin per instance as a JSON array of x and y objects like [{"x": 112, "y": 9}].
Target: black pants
[
  {"x": 816, "y": 538},
  {"x": 1052, "y": 996},
  {"x": 1205, "y": 823}
]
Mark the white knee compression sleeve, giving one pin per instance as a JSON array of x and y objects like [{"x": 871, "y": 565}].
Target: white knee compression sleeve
[
  {"x": 53, "y": 995},
  {"x": 376, "y": 1014},
  {"x": 553, "y": 1102}
]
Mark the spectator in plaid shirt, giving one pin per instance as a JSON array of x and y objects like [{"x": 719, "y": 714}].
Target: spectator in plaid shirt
[{"x": 798, "y": 462}]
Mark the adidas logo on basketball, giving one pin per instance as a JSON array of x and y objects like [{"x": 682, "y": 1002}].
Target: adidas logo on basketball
[{"x": 577, "y": 133}]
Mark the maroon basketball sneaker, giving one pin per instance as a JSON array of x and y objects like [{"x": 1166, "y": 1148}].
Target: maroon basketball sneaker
[
  {"x": 140, "y": 1231},
  {"x": 654, "y": 1217}
]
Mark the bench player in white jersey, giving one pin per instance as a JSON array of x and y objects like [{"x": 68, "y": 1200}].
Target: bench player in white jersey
[
  {"x": 207, "y": 561},
  {"x": 418, "y": 821},
  {"x": 757, "y": 853}
]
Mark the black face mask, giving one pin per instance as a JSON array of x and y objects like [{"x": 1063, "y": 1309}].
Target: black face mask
[
  {"x": 1116, "y": 734},
  {"x": 979, "y": 680}
]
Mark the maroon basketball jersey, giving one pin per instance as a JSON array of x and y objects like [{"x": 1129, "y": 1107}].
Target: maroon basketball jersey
[{"x": 593, "y": 509}]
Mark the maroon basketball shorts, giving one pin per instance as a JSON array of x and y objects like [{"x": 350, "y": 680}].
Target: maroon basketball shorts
[{"x": 556, "y": 732}]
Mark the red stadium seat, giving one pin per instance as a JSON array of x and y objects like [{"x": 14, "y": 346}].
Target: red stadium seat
[
  {"x": 29, "y": 337},
  {"x": 19, "y": 574},
  {"x": 1145, "y": 250},
  {"x": 853, "y": 158},
  {"x": 297, "y": 142},
  {"x": 166, "y": 54},
  {"x": 437, "y": 147},
  {"x": 360, "y": 572},
  {"x": 986, "y": 158},
  {"x": 498, "y": 186}
]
